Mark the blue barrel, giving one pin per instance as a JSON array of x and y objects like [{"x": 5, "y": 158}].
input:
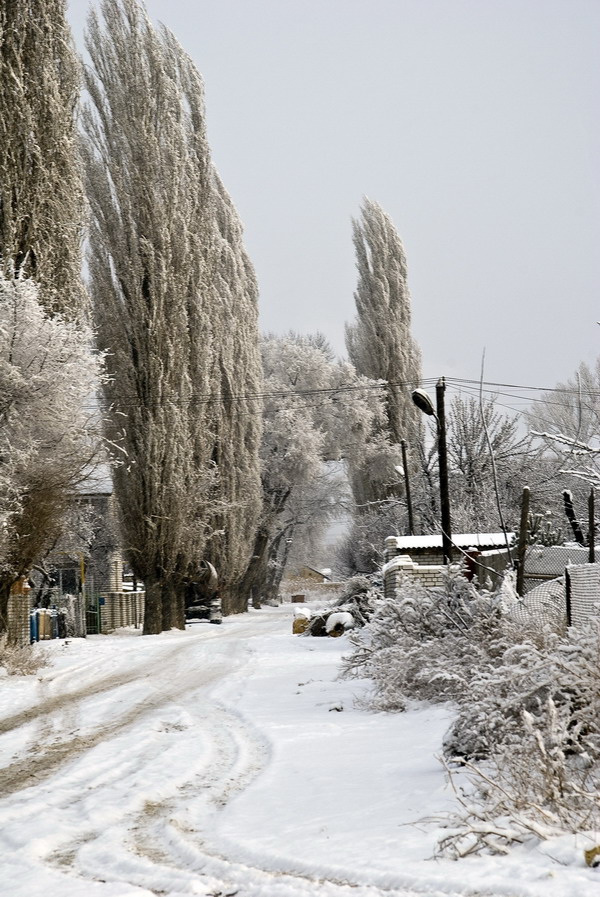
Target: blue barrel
[{"x": 34, "y": 630}]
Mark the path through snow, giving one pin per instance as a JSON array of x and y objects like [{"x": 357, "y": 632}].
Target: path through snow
[{"x": 228, "y": 760}]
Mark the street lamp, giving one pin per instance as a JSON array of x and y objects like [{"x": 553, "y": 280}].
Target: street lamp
[{"x": 423, "y": 402}]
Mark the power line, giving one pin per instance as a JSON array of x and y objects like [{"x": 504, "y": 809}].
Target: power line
[{"x": 329, "y": 394}]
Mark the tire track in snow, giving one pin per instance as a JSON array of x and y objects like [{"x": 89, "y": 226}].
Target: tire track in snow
[
  {"x": 54, "y": 752},
  {"x": 166, "y": 847},
  {"x": 48, "y": 705}
]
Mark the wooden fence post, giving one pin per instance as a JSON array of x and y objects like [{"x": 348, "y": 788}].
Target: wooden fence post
[
  {"x": 522, "y": 547},
  {"x": 592, "y": 527}
]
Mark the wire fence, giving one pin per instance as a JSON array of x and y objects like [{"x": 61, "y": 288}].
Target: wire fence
[
  {"x": 544, "y": 563},
  {"x": 561, "y": 589}
]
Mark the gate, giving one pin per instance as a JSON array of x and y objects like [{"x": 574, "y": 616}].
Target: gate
[{"x": 92, "y": 615}]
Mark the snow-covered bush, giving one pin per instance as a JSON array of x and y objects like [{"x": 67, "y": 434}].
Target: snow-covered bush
[
  {"x": 21, "y": 661},
  {"x": 527, "y": 726},
  {"x": 427, "y": 643},
  {"x": 538, "y": 716}
]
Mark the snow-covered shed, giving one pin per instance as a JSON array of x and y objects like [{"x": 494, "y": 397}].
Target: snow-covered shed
[
  {"x": 421, "y": 557},
  {"x": 428, "y": 549}
]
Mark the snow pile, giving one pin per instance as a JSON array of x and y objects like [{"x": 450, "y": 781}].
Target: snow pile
[
  {"x": 302, "y": 612},
  {"x": 340, "y": 621}
]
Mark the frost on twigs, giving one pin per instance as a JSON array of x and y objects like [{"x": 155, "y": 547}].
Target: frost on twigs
[
  {"x": 425, "y": 644},
  {"x": 20, "y": 661},
  {"x": 523, "y": 752},
  {"x": 538, "y": 713},
  {"x": 49, "y": 426}
]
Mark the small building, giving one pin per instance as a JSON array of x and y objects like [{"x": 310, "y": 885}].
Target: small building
[
  {"x": 428, "y": 549},
  {"x": 422, "y": 558},
  {"x": 312, "y": 575}
]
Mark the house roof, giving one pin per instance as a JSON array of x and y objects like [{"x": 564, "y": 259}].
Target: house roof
[{"x": 462, "y": 540}]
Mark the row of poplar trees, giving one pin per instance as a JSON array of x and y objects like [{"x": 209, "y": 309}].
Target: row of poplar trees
[
  {"x": 172, "y": 296},
  {"x": 170, "y": 288}
]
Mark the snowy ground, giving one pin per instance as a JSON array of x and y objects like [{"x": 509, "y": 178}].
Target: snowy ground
[{"x": 231, "y": 760}]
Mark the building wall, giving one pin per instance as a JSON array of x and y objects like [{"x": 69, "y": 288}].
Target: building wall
[
  {"x": 119, "y": 609},
  {"x": 430, "y": 573},
  {"x": 19, "y": 609},
  {"x": 401, "y": 566}
]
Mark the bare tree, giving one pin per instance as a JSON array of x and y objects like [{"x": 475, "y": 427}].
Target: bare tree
[
  {"x": 41, "y": 193},
  {"x": 471, "y": 458},
  {"x": 572, "y": 408}
]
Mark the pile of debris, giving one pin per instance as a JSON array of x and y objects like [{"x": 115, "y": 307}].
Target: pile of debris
[{"x": 354, "y": 608}]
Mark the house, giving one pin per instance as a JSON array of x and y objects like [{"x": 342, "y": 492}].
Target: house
[{"x": 312, "y": 575}]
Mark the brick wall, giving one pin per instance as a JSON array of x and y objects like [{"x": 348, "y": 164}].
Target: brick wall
[
  {"x": 19, "y": 608},
  {"x": 118, "y": 609},
  {"x": 428, "y": 575},
  {"x": 493, "y": 564}
]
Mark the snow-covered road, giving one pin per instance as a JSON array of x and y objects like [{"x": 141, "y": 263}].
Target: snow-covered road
[{"x": 229, "y": 760}]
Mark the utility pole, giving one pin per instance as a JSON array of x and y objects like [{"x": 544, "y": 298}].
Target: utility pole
[
  {"x": 592, "y": 526},
  {"x": 521, "y": 550},
  {"x": 424, "y": 404},
  {"x": 440, "y": 389},
  {"x": 411, "y": 526}
]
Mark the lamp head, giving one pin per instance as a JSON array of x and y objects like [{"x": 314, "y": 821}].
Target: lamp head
[{"x": 423, "y": 402}]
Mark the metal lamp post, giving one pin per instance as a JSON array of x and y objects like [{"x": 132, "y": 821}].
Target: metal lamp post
[{"x": 424, "y": 404}]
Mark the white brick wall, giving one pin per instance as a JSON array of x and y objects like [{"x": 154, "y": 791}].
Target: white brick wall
[{"x": 429, "y": 575}]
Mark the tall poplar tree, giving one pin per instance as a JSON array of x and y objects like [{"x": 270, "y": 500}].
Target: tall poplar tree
[
  {"x": 148, "y": 172},
  {"x": 236, "y": 407},
  {"x": 41, "y": 193},
  {"x": 380, "y": 342},
  {"x": 175, "y": 302}
]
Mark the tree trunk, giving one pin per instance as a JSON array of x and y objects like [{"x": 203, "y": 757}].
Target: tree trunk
[
  {"x": 153, "y": 616},
  {"x": 234, "y": 598},
  {"x": 572, "y": 517},
  {"x": 255, "y": 577},
  {"x": 173, "y": 605},
  {"x": 4, "y": 596}
]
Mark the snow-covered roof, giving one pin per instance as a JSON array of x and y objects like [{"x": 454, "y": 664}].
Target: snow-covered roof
[{"x": 463, "y": 540}]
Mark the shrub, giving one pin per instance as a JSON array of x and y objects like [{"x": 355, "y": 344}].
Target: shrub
[
  {"x": 21, "y": 661},
  {"x": 527, "y": 729},
  {"x": 426, "y": 643},
  {"x": 538, "y": 720}
]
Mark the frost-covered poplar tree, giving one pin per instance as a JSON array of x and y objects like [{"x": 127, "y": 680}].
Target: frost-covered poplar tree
[
  {"x": 48, "y": 428},
  {"x": 41, "y": 193},
  {"x": 148, "y": 173},
  {"x": 236, "y": 405},
  {"x": 175, "y": 299},
  {"x": 380, "y": 342}
]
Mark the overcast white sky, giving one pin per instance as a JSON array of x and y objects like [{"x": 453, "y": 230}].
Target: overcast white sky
[{"x": 474, "y": 123}]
